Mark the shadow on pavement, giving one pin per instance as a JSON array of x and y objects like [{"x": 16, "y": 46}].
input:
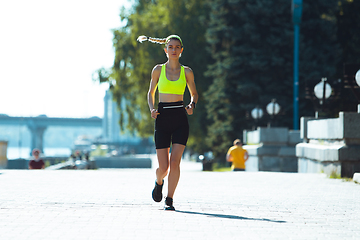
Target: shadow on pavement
[{"x": 230, "y": 216}]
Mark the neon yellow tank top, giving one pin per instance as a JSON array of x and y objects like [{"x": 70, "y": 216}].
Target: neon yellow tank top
[{"x": 172, "y": 87}]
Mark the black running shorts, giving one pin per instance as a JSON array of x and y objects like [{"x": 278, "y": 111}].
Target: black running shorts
[{"x": 171, "y": 125}]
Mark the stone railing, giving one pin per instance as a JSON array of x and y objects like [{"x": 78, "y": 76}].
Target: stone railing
[
  {"x": 271, "y": 149},
  {"x": 57, "y": 163},
  {"x": 330, "y": 145},
  {"x": 130, "y": 161},
  {"x": 22, "y": 163}
]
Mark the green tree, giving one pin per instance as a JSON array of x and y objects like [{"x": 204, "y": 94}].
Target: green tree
[
  {"x": 348, "y": 23},
  {"x": 252, "y": 47},
  {"x": 131, "y": 73},
  {"x": 348, "y": 20},
  {"x": 319, "y": 51}
]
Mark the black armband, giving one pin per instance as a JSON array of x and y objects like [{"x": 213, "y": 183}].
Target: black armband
[{"x": 193, "y": 104}]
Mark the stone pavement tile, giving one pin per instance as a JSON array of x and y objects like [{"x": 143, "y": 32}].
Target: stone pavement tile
[{"x": 117, "y": 204}]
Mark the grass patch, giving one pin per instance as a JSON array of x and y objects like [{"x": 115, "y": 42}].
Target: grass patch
[
  {"x": 335, "y": 175},
  {"x": 347, "y": 179},
  {"x": 223, "y": 169},
  {"x": 220, "y": 168}
]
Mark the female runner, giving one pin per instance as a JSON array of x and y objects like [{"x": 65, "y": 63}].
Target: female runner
[{"x": 171, "y": 123}]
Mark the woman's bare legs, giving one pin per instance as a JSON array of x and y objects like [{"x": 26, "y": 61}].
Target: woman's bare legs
[
  {"x": 163, "y": 159},
  {"x": 174, "y": 164},
  {"x": 174, "y": 175}
]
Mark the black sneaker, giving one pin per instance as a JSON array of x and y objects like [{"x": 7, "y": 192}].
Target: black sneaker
[
  {"x": 169, "y": 204},
  {"x": 157, "y": 192}
]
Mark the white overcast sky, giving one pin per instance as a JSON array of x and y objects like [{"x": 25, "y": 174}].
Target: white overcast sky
[{"x": 48, "y": 53}]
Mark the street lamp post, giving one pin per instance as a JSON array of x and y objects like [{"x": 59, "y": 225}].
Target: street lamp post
[
  {"x": 357, "y": 79},
  {"x": 322, "y": 91},
  {"x": 257, "y": 113},
  {"x": 352, "y": 79},
  {"x": 296, "y": 7},
  {"x": 273, "y": 108}
]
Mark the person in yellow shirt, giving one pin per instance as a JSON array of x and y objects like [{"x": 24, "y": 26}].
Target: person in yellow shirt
[{"x": 237, "y": 155}]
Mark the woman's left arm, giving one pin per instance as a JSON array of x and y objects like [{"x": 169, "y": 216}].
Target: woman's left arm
[{"x": 192, "y": 89}]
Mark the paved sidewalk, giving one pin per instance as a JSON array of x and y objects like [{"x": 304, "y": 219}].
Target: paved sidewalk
[{"x": 117, "y": 204}]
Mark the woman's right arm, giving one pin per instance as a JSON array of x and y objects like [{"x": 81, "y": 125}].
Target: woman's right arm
[{"x": 155, "y": 74}]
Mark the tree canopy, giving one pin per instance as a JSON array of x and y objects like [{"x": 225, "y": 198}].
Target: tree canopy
[
  {"x": 241, "y": 53},
  {"x": 252, "y": 46},
  {"x": 131, "y": 73}
]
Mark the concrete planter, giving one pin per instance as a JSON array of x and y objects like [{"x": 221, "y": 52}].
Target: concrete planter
[
  {"x": 330, "y": 145},
  {"x": 271, "y": 149}
]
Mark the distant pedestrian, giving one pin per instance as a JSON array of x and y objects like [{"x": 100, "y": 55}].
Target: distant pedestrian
[
  {"x": 37, "y": 162},
  {"x": 237, "y": 155},
  {"x": 171, "y": 123}
]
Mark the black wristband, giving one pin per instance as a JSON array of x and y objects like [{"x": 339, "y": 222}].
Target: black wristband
[{"x": 194, "y": 104}]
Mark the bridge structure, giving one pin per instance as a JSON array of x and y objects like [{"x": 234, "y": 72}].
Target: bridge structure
[{"x": 38, "y": 125}]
